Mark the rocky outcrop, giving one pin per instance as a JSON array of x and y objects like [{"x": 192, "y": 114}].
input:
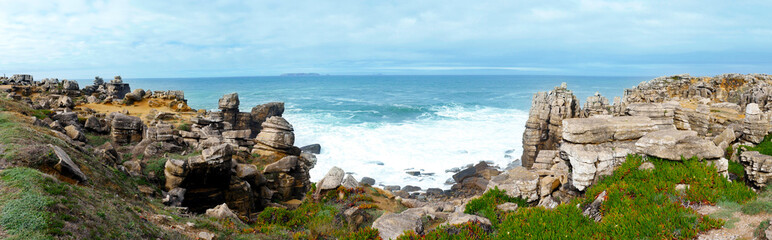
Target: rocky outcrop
[
  {"x": 595, "y": 146},
  {"x": 392, "y": 225},
  {"x": 260, "y": 113},
  {"x": 596, "y": 105},
  {"x": 518, "y": 182},
  {"x": 758, "y": 168},
  {"x": 276, "y": 140},
  {"x": 677, "y": 144},
  {"x": 289, "y": 177},
  {"x": 126, "y": 129},
  {"x": 756, "y": 124},
  {"x": 662, "y": 114},
  {"x": 543, "y": 128}
]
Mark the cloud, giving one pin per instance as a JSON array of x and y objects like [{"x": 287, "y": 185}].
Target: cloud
[{"x": 214, "y": 38}]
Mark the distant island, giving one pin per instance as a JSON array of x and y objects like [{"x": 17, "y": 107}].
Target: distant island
[{"x": 299, "y": 74}]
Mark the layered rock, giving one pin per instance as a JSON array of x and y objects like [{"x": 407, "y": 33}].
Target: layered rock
[
  {"x": 289, "y": 177},
  {"x": 677, "y": 144},
  {"x": 596, "y": 105},
  {"x": 595, "y": 146},
  {"x": 758, "y": 168},
  {"x": 276, "y": 139},
  {"x": 543, "y": 128},
  {"x": 126, "y": 129}
]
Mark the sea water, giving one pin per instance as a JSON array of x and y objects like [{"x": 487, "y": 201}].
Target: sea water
[{"x": 383, "y": 126}]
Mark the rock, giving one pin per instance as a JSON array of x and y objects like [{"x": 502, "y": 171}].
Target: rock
[
  {"x": 675, "y": 144},
  {"x": 220, "y": 153},
  {"x": 355, "y": 217},
  {"x": 592, "y": 211},
  {"x": 596, "y": 105},
  {"x": 591, "y": 161},
  {"x": 332, "y": 180},
  {"x": 126, "y": 129},
  {"x": 543, "y": 128},
  {"x": 65, "y": 166},
  {"x": 727, "y": 136},
  {"x": 601, "y": 129},
  {"x": 463, "y": 174},
  {"x": 410, "y": 188},
  {"x": 349, "y": 182},
  {"x": 133, "y": 168},
  {"x": 758, "y": 168},
  {"x": 74, "y": 133},
  {"x": 435, "y": 192},
  {"x": 237, "y": 134},
  {"x": 206, "y": 235},
  {"x": 276, "y": 139},
  {"x": 768, "y": 232},
  {"x": 174, "y": 197},
  {"x": 752, "y": 109},
  {"x": 313, "y": 148},
  {"x": 508, "y": 206},
  {"x": 681, "y": 187},
  {"x": 107, "y": 153},
  {"x": 285, "y": 164},
  {"x": 548, "y": 202},
  {"x": 545, "y": 159},
  {"x": 547, "y": 185},
  {"x": 229, "y": 101},
  {"x": 392, "y": 225},
  {"x": 94, "y": 125},
  {"x": 65, "y": 102},
  {"x": 461, "y": 218},
  {"x": 367, "y": 181},
  {"x": 518, "y": 182},
  {"x": 647, "y": 166},
  {"x": 392, "y": 188},
  {"x": 662, "y": 114}
]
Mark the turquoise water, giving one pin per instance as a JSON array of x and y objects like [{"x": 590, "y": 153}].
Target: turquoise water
[{"x": 380, "y": 126}]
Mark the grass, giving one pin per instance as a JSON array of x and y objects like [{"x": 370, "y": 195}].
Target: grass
[
  {"x": 486, "y": 204},
  {"x": 762, "y": 204},
  {"x": 97, "y": 139},
  {"x": 764, "y": 147},
  {"x": 639, "y": 205},
  {"x": 184, "y": 127}
]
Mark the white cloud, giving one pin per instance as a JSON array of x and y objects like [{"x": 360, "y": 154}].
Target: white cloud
[{"x": 165, "y": 38}]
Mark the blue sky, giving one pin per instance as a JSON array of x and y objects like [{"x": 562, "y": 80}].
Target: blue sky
[{"x": 80, "y": 39}]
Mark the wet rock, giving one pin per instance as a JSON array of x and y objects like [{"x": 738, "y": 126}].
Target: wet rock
[
  {"x": 313, "y": 148},
  {"x": 367, "y": 181}
]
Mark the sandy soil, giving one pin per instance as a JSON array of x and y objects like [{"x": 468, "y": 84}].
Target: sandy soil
[
  {"x": 139, "y": 109},
  {"x": 743, "y": 228}
]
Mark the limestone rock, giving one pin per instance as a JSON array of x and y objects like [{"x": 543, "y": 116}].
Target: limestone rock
[
  {"x": 543, "y": 128},
  {"x": 674, "y": 144},
  {"x": 174, "y": 197},
  {"x": 590, "y": 161},
  {"x": 74, "y": 133},
  {"x": 596, "y": 105},
  {"x": 288, "y": 177},
  {"x": 349, "y": 182},
  {"x": 548, "y": 202},
  {"x": 367, "y": 181},
  {"x": 461, "y": 218},
  {"x": 221, "y": 212},
  {"x": 508, "y": 206},
  {"x": 392, "y": 225},
  {"x": 647, "y": 166},
  {"x": 313, "y": 148},
  {"x": 332, "y": 180},
  {"x": 355, "y": 217},
  {"x": 126, "y": 129},
  {"x": 66, "y": 166},
  {"x": 229, "y": 101},
  {"x": 593, "y": 210},
  {"x": 758, "y": 168},
  {"x": 107, "y": 153},
  {"x": 601, "y": 129},
  {"x": 518, "y": 182}
]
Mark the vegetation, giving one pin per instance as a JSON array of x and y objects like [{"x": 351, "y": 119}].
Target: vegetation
[
  {"x": 184, "y": 127},
  {"x": 764, "y": 147},
  {"x": 639, "y": 204}
]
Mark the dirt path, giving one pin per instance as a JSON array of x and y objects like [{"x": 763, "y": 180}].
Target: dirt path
[{"x": 742, "y": 227}]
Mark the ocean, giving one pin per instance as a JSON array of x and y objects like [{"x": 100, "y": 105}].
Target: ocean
[{"x": 382, "y": 126}]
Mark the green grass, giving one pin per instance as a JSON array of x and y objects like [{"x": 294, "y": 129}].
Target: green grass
[
  {"x": 97, "y": 139},
  {"x": 486, "y": 204},
  {"x": 24, "y": 205},
  {"x": 764, "y": 147},
  {"x": 639, "y": 205},
  {"x": 762, "y": 204},
  {"x": 184, "y": 127}
]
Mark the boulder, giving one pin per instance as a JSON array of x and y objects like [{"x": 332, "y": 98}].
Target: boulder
[
  {"x": 65, "y": 102},
  {"x": 392, "y": 225},
  {"x": 66, "y": 167},
  {"x": 355, "y": 217},
  {"x": 675, "y": 144},
  {"x": 174, "y": 197},
  {"x": 313, "y": 148},
  {"x": 276, "y": 140},
  {"x": 508, "y": 206},
  {"x": 126, "y": 129},
  {"x": 349, "y": 182},
  {"x": 367, "y": 181},
  {"x": 332, "y": 180},
  {"x": 285, "y": 164},
  {"x": 107, "y": 153},
  {"x": 74, "y": 133},
  {"x": 591, "y": 161},
  {"x": 288, "y": 177},
  {"x": 461, "y": 218},
  {"x": 221, "y": 212},
  {"x": 518, "y": 182},
  {"x": 229, "y": 101}
]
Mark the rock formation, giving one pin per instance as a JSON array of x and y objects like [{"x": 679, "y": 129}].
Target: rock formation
[{"x": 543, "y": 128}]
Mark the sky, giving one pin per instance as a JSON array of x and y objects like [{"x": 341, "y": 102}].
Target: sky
[{"x": 81, "y": 39}]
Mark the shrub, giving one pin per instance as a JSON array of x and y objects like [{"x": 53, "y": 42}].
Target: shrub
[
  {"x": 184, "y": 127},
  {"x": 486, "y": 204},
  {"x": 366, "y": 233}
]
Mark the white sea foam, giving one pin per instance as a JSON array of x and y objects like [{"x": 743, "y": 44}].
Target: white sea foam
[{"x": 451, "y": 137}]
